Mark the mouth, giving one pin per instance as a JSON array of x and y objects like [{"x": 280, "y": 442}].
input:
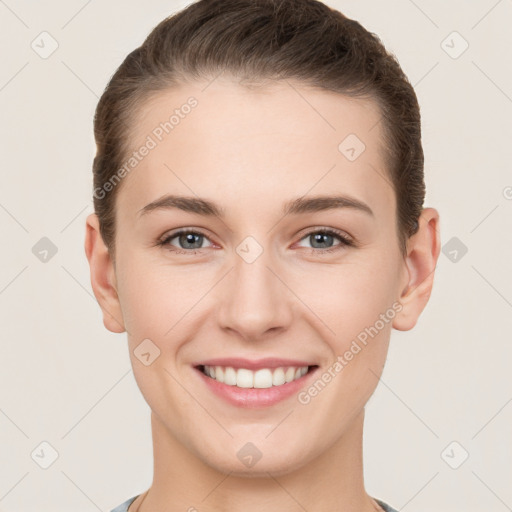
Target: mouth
[
  {"x": 246, "y": 383},
  {"x": 262, "y": 378}
]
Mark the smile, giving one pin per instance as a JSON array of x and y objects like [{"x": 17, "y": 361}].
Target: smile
[
  {"x": 255, "y": 383},
  {"x": 262, "y": 378}
]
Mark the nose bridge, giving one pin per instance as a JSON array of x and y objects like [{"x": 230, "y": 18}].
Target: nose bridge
[{"x": 255, "y": 300}]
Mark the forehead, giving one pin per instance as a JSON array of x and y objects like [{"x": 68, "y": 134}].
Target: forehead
[{"x": 239, "y": 145}]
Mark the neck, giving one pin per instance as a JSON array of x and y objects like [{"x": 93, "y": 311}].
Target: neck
[{"x": 331, "y": 481}]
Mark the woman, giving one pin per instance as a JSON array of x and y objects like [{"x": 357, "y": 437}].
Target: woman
[{"x": 258, "y": 231}]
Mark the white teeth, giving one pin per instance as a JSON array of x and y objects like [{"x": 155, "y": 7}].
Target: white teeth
[
  {"x": 230, "y": 376},
  {"x": 263, "y": 378},
  {"x": 219, "y": 373},
  {"x": 290, "y": 374},
  {"x": 244, "y": 378},
  {"x": 278, "y": 377}
]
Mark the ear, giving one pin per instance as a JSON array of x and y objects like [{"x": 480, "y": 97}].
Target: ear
[
  {"x": 422, "y": 253},
  {"x": 103, "y": 279}
]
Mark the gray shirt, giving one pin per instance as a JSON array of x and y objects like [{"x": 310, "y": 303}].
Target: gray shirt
[{"x": 124, "y": 506}]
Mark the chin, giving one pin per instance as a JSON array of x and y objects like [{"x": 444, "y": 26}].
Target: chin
[{"x": 249, "y": 462}]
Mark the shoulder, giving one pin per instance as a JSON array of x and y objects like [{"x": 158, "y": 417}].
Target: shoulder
[
  {"x": 385, "y": 506},
  {"x": 124, "y": 506}
]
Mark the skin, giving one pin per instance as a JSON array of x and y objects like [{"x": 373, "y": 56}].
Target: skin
[{"x": 250, "y": 150}]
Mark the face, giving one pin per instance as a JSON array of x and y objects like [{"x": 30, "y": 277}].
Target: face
[{"x": 268, "y": 276}]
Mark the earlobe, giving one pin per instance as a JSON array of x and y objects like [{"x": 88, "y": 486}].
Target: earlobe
[
  {"x": 422, "y": 254},
  {"x": 103, "y": 279}
]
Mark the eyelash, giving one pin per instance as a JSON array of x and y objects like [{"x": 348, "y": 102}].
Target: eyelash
[{"x": 344, "y": 241}]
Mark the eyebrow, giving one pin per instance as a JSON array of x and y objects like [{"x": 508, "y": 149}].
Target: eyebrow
[{"x": 294, "y": 207}]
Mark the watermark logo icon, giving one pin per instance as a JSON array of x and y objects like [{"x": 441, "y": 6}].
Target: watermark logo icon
[
  {"x": 351, "y": 147},
  {"x": 146, "y": 352},
  {"x": 249, "y": 455},
  {"x": 44, "y": 455},
  {"x": 455, "y": 455},
  {"x": 454, "y": 45},
  {"x": 454, "y": 249},
  {"x": 44, "y": 250},
  {"x": 249, "y": 249},
  {"x": 44, "y": 45}
]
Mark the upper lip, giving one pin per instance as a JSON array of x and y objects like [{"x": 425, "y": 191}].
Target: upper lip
[{"x": 254, "y": 364}]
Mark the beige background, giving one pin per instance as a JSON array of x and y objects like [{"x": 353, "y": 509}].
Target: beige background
[{"x": 65, "y": 380}]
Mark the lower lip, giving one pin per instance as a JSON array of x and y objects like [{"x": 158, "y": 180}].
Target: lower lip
[{"x": 256, "y": 397}]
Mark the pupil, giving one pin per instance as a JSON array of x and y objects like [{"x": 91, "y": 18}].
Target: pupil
[
  {"x": 189, "y": 238},
  {"x": 320, "y": 236}
]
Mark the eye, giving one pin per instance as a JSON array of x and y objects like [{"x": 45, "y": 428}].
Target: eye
[
  {"x": 322, "y": 237},
  {"x": 188, "y": 240}
]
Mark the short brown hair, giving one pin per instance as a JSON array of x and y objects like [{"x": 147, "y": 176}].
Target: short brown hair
[{"x": 259, "y": 40}]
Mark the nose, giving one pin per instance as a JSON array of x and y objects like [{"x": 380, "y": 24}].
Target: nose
[{"x": 255, "y": 300}]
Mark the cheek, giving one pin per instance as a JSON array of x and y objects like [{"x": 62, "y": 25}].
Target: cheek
[
  {"x": 368, "y": 307},
  {"x": 359, "y": 309},
  {"x": 351, "y": 296},
  {"x": 367, "y": 293},
  {"x": 154, "y": 296}
]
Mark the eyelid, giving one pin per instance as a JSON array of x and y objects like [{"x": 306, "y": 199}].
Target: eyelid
[{"x": 326, "y": 229}]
